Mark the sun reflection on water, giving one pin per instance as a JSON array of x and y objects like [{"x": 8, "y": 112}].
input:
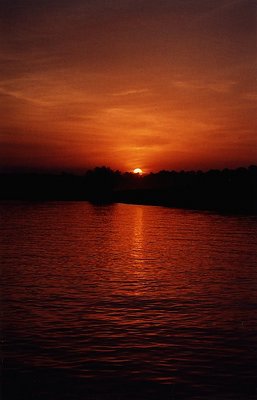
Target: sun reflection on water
[{"x": 138, "y": 237}]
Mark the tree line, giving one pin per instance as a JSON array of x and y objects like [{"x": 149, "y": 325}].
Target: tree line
[{"x": 227, "y": 190}]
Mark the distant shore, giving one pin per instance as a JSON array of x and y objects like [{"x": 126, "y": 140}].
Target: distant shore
[{"x": 228, "y": 191}]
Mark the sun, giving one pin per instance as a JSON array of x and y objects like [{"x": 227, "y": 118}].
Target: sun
[{"x": 138, "y": 171}]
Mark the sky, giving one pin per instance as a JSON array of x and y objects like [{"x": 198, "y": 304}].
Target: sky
[{"x": 154, "y": 84}]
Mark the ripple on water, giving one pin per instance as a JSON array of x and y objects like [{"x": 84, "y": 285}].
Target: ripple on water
[{"x": 128, "y": 301}]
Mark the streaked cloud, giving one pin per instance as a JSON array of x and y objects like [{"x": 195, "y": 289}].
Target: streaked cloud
[
  {"x": 162, "y": 83},
  {"x": 130, "y": 92}
]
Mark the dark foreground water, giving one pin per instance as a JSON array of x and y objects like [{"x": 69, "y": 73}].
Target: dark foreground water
[{"x": 127, "y": 302}]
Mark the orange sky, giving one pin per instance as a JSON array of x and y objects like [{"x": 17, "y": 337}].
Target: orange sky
[{"x": 128, "y": 83}]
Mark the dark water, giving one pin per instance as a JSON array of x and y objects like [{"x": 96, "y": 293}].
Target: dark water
[{"x": 127, "y": 302}]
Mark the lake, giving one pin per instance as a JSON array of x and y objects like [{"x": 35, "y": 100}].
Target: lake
[{"x": 127, "y": 302}]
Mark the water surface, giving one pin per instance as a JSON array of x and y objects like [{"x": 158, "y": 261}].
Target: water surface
[{"x": 125, "y": 301}]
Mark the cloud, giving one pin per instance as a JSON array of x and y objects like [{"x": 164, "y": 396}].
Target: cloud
[
  {"x": 131, "y": 92},
  {"x": 110, "y": 78},
  {"x": 21, "y": 96},
  {"x": 216, "y": 86}
]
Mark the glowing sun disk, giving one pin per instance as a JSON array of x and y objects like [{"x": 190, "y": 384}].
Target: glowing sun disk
[{"x": 138, "y": 171}]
